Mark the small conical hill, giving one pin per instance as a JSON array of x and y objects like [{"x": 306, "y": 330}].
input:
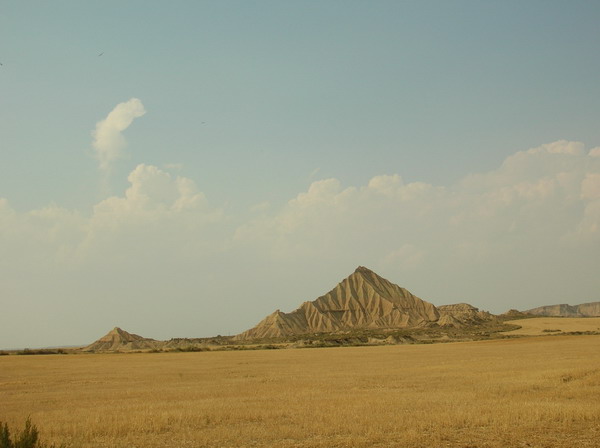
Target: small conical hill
[
  {"x": 362, "y": 300},
  {"x": 120, "y": 340}
]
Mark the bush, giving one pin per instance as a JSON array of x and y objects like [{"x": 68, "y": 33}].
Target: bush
[
  {"x": 41, "y": 351},
  {"x": 28, "y": 438},
  {"x": 192, "y": 348}
]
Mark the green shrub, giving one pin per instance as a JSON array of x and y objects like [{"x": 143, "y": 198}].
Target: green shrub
[{"x": 27, "y": 438}]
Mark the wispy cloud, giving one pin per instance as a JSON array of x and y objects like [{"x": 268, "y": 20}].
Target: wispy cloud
[{"x": 108, "y": 140}]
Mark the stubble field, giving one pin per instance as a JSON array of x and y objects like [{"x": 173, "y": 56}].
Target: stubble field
[
  {"x": 544, "y": 325},
  {"x": 533, "y": 392}
]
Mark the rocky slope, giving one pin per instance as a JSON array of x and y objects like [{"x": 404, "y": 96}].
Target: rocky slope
[
  {"x": 591, "y": 309},
  {"x": 363, "y": 300}
]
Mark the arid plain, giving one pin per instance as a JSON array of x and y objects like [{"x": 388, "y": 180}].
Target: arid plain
[
  {"x": 544, "y": 325},
  {"x": 529, "y": 392}
]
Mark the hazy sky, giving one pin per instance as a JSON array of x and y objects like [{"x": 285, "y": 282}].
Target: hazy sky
[{"x": 182, "y": 169}]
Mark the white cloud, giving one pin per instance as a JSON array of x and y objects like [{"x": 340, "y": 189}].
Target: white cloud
[
  {"x": 392, "y": 187},
  {"x": 385, "y": 184},
  {"x": 590, "y": 186},
  {"x": 589, "y": 227},
  {"x": 559, "y": 147},
  {"x": 534, "y": 202},
  {"x": 533, "y": 216},
  {"x": 108, "y": 139},
  {"x": 594, "y": 152},
  {"x": 522, "y": 235},
  {"x": 319, "y": 192},
  {"x": 152, "y": 188},
  {"x": 157, "y": 210}
]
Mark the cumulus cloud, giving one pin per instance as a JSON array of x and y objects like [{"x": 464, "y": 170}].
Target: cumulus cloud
[
  {"x": 153, "y": 191},
  {"x": 590, "y": 186},
  {"x": 559, "y": 147},
  {"x": 108, "y": 140},
  {"x": 522, "y": 235},
  {"x": 535, "y": 215},
  {"x": 139, "y": 254},
  {"x": 158, "y": 215},
  {"x": 386, "y": 184},
  {"x": 589, "y": 228},
  {"x": 539, "y": 200},
  {"x": 157, "y": 210}
]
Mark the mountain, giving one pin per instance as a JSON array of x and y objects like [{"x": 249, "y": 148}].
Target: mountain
[
  {"x": 362, "y": 300},
  {"x": 591, "y": 309},
  {"x": 120, "y": 340}
]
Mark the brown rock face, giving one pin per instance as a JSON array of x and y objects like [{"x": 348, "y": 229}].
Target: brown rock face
[
  {"x": 363, "y": 300},
  {"x": 120, "y": 340},
  {"x": 461, "y": 314},
  {"x": 591, "y": 309}
]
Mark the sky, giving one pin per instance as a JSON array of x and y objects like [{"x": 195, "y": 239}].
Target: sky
[{"x": 184, "y": 169}]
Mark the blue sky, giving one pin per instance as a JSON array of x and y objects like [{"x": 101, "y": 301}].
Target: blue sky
[{"x": 259, "y": 103}]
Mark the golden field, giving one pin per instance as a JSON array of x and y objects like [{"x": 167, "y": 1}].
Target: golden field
[
  {"x": 546, "y": 325},
  {"x": 530, "y": 392}
]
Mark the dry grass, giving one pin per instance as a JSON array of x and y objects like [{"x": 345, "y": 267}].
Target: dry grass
[
  {"x": 546, "y": 325},
  {"x": 534, "y": 392}
]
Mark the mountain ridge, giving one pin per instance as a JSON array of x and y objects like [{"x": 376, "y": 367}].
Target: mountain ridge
[{"x": 588, "y": 309}]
